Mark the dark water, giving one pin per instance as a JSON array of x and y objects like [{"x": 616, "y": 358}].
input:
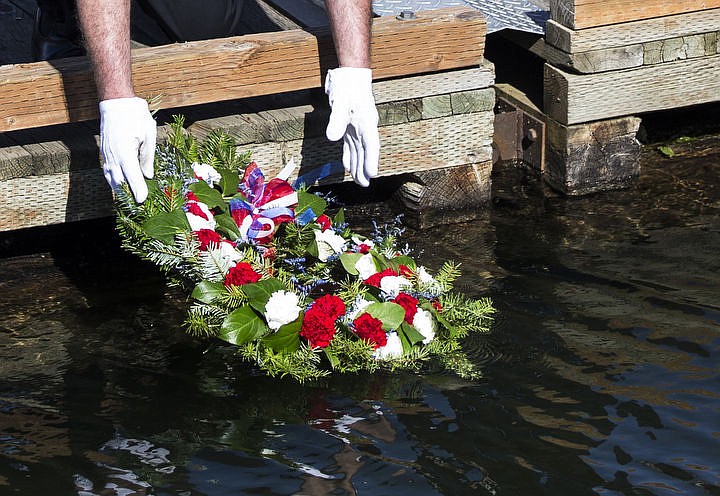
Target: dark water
[{"x": 600, "y": 375}]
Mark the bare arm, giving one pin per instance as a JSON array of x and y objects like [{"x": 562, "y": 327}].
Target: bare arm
[
  {"x": 106, "y": 27},
  {"x": 350, "y": 22}
]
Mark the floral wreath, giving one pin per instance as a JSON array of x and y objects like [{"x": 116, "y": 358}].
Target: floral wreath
[{"x": 270, "y": 271}]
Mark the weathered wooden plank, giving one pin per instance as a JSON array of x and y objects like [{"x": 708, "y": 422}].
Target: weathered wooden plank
[
  {"x": 686, "y": 47},
  {"x": 589, "y": 61},
  {"x": 54, "y": 199},
  {"x": 576, "y": 98},
  {"x": 609, "y": 59},
  {"x": 413, "y": 146},
  {"x": 434, "y": 84},
  {"x": 597, "y": 156},
  {"x": 52, "y": 150},
  {"x": 631, "y": 33},
  {"x": 581, "y": 14},
  {"x": 15, "y": 161},
  {"x": 43, "y": 94},
  {"x": 410, "y": 147},
  {"x": 307, "y": 121},
  {"x": 628, "y": 56},
  {"x": 454, "y": 194}
]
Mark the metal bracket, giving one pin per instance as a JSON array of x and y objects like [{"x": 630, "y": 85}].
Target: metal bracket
[{"x": 517, "y": 135}]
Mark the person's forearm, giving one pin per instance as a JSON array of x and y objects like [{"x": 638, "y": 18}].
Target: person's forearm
[
  {"x": 350, "y": 21},
  {"x": 106, "y": 28}
]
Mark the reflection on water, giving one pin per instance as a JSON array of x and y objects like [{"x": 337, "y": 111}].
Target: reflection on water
[{"x": 600, "y": 376}]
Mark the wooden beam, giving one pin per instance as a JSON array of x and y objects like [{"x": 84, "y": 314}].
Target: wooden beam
[
  {"x": 60, "y": 91},
  {"x": 598, "y": 156},
  {"x": 631, "y": 33},
  {"x": 578, "y": 98},
  {"x": 581, "y": 14}
]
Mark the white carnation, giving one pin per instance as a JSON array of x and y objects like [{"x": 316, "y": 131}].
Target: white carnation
[
  {"x": 207, "y": 173},
  {"x": 197, "y": 222},
  {"x": 366, "y": 266},
  {"x": 393, "y": 348},
  {"x": 282, "y": 308},
  {"x": 392, "y": 285},
  {"x": 425, "y": 324},
  {"x": 328, "y": 243}
]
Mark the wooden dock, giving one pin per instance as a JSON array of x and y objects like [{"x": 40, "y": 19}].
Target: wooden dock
[
  {"x": 435, "y": 102},
  {"x": 442, "y": 117},
  {"x": 607, "y": 64}
]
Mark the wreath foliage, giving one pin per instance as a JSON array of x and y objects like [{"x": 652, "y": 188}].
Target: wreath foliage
[{"x": 270, "y": 270}]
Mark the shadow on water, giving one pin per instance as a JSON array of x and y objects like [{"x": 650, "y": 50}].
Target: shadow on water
[{"x": 600, "y": 375}]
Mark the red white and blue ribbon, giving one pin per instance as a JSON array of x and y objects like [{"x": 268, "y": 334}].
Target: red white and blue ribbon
[{"x": 265, "y": 206}]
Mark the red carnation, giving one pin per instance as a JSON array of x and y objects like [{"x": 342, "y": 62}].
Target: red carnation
[
  {"x": 318, "y": 325},
  {"x": 207, "y": 236},
  {"x": 374, "y": 280},
  {"x": 241, "y": 273},
  {"x": 363, "y": 248},
  {"x": 329, "y": 305},
  {"x": 191, "y": 197},
  {"x": 318, "y": 329},
  {"x": 409, "y": 304},
  {"x": 369, "y": 329},
  {"x": 324, "y": 222}
]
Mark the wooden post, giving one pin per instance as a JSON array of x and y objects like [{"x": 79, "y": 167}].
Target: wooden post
[{"x": 586, "y": 158}]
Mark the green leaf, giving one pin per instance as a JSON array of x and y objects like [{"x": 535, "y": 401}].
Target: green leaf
[
  {"x": 259, "y": 293},
  {"x": 308, "y": 200},
  {"x": 207, "y": 291},
  {"x": 391, "y": 314},
  {"x": 242, "y": 326},
  {"x": 229, "y": 182},
  {"x": 348, "y": 261},
  {"x": 313, "y": 249},
  {"x": 153, "y": 187},
  {"x": 339, "y": 217},
  {"x": 381, "y": 262},
  {"x": 209, "y": 196},
  {"x": 666, "y": 150},
  {"x": 287, "y": 339},
  {"x": 406, "y": 345},
  {"x": 396, "y": 262},
  {"x": 332, "y": 358},
  {"x": 165, "y": 225},
  {"x": 227, "y": 225},
  {"x": 411, "y": 333}
]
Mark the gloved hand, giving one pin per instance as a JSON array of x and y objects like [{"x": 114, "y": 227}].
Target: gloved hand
[
  {"x": 355, "y": 119},
  {"x": 127, "y": 143}
]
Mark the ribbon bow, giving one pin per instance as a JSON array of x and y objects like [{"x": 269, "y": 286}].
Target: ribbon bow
[{"x": 265, "y": 206}]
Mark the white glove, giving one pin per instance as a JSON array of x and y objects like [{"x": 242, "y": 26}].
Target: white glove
[
  {"x": 127, "y": 143},
  {"x": 355, "y": 119}
]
